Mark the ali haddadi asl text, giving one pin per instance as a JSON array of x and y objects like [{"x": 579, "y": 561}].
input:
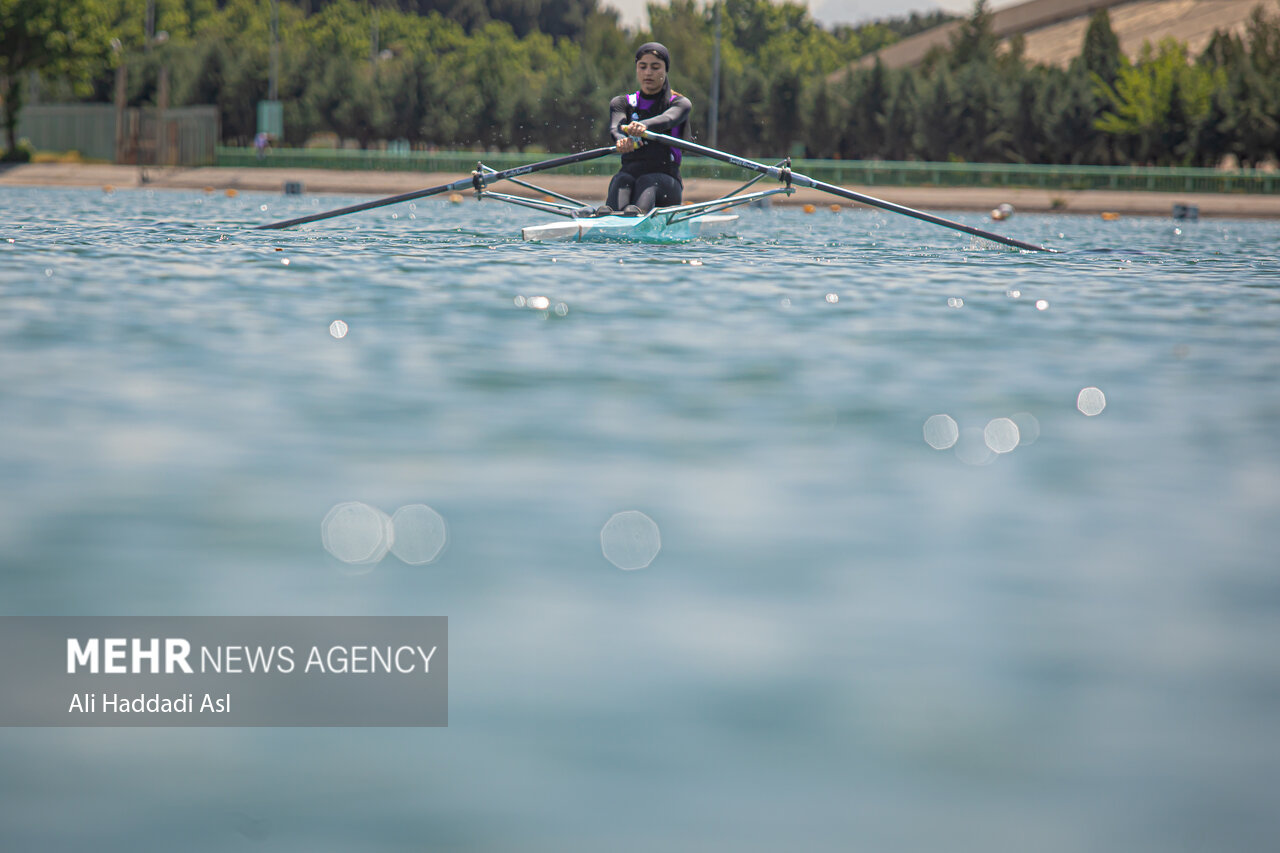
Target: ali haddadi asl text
[{"x": 114, "y": 703}]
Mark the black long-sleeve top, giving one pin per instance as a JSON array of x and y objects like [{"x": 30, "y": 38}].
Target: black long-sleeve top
[{"x": 667, "y": 113}]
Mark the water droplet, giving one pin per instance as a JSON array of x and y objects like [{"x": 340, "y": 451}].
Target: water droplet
[
  {"x": 539, "y": 303},
  {"x": 955, "y": 302},
  {"x": 832, "y": 298},
  {"x": 520, "y": 301},
  {"x": 1042, "y": 304},
  {"x": 338, "y": 329}
]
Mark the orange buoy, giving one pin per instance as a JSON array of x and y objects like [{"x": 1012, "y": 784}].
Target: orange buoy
[
  {"x": 835, "y": 208},
  {"x": 232, "y": 193},
  {"x": 808, "y": 208},
  {"x": 456, "y": 198},
  {"x": 108, "y": 189},
  {"x": 1110, "y": 216},
  {"x": 208, "y": 190}
]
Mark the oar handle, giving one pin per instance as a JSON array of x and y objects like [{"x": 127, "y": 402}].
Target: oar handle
[{"x": 788, "y": 176}]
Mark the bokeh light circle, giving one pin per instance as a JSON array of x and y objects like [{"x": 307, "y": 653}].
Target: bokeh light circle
[
  {"x": 941, "y": 432},
  {"x": 420, "y": 534},
  {"x": 630, "y": 540},
  {"x": 357, "y": 533},
  {"x": 1091, "y": 401}
]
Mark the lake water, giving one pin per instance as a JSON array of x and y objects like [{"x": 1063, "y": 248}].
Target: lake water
[{"x": 843, "y": 638}]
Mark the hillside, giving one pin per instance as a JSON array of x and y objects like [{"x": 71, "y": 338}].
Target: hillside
[{"x": 1054, "y": 29}]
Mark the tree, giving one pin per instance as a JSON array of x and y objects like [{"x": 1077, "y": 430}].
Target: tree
[
  {"x": 938, "y": 116},
  {"x": 822, "y": 135},
  {"x": 867, "y": 113},
  {"x": 975, "y": 41},
  {"x": 1024, "y": 120},
  {"x": 46, "y": 36},
  {"x": 1100, "y": 53},
  {"x": 1156, "y": 101},
  {"x": 899, "y": 121},
  {"x": 1071, "y": 108}
]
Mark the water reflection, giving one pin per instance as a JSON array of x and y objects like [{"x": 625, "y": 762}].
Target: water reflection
[
  {"x": 357, "y": 533},
  {"x": 941, "y": 432},
  {"x": 630, "y": 540},
  {"x": 1001, "y": 435},
  {"x": 361, "y": 535},
  {"x": 420, "y": 534},
  {"x": 1091, "y": 401}
]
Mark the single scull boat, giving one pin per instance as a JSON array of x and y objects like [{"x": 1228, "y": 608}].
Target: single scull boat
[{"x": 666, "y": 223}]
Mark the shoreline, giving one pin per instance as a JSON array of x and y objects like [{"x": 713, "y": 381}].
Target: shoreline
[{"x": 379, "y": 183}]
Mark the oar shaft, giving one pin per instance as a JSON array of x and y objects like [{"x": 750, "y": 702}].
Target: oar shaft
[
  {"x": 460, "y": 184},
  {"x": 805, "y": 181}
]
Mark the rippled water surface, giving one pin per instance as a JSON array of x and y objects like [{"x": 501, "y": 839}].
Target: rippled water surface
[{"x": 710, "y": 584}]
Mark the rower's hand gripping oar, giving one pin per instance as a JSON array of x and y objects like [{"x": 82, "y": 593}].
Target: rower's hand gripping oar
[
  {"x": 460, "y": 184},
  {"x": 788, "y": 176}
]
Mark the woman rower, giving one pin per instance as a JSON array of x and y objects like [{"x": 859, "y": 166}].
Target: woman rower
[{"x": 650, "y": 174}]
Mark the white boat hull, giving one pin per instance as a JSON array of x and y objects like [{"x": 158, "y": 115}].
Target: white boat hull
[{"x": 644, "y": 229}]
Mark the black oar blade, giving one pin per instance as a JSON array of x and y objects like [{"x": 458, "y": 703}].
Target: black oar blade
[
  {"x": 805, "y": 181},
  {"x": 459, "y": 184}
]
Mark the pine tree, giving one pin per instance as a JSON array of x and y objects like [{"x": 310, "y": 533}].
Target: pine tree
[
  {"x": 975, "y": 41},
  {"x": 1100, "y": 53}
]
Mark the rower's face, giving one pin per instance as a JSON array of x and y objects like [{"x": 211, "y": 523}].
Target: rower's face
[{"x": 652, "y": 73}]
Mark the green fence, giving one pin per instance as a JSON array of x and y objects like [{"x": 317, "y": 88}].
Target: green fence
[
  {"x": 87, "y": 128},
  {"x": 856, "y": 172},
  {"x": 179, "y": 136}
]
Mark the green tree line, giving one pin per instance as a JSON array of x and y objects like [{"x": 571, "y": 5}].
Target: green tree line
[{"x": 538, "y": 74}]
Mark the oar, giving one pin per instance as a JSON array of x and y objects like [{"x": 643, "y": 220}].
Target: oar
[
  {"x": 460, "y": 184},
  {"x": 805, "y": 181}
]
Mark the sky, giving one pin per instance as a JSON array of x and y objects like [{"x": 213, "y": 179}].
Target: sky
[{"x": 832, "y": 11}]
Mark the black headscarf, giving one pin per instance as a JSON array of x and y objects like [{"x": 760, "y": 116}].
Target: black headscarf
[{"x": 662, "y": 53}]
